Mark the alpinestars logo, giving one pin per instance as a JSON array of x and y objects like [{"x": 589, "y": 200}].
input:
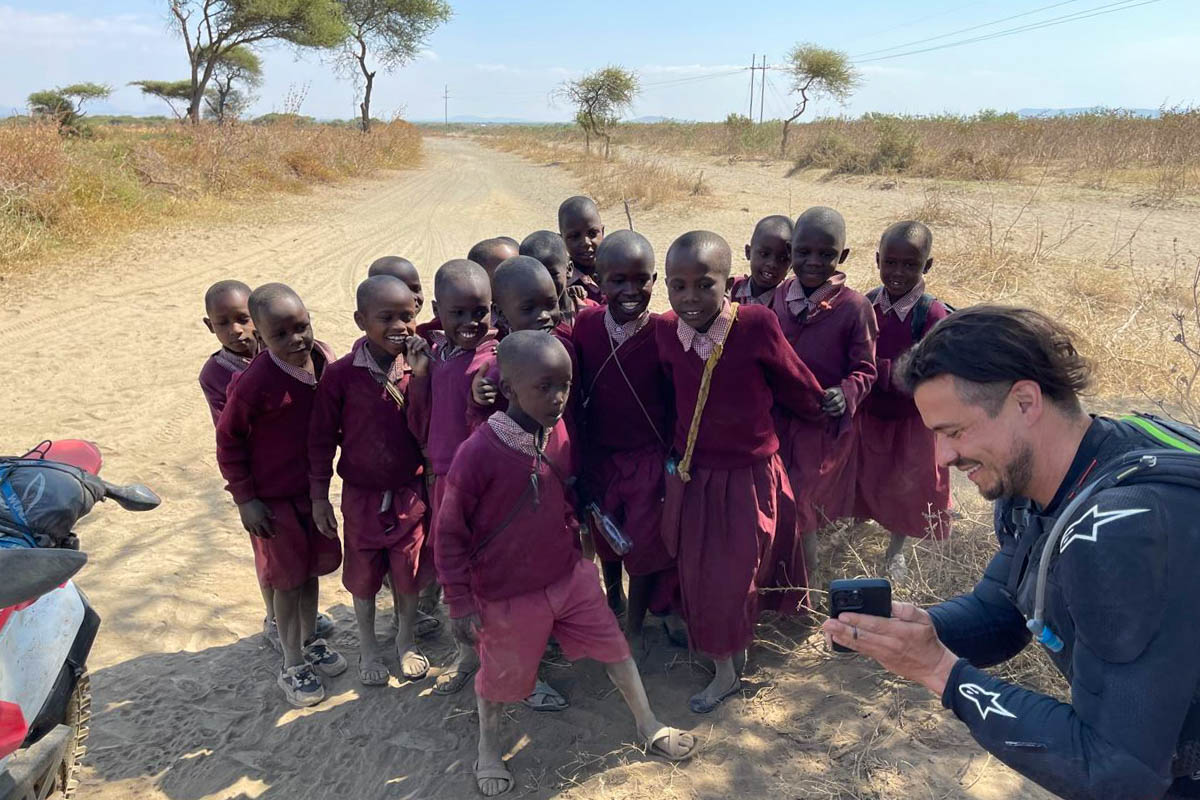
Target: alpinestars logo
[
  {"x": 1098, "y": 519},
  {"x": 987, "y": 702}
]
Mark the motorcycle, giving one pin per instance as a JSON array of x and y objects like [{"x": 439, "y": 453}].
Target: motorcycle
[{"x": 47, "y": 625}]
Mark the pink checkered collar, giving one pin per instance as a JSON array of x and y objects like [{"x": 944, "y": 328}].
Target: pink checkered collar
[
  {"x": 623, "y": 333},
  {"x": 799, "y": 303},
  {"x": 510, "y": 432},
  {"x": 363, "y": 358},
  {"x": 232, "y": 361},
  {"x": 904, "y": 306},
  {"x": 703, "y": 344},
  {"x": 742, "y": 293},
  {"x": 296, "y": 372}
]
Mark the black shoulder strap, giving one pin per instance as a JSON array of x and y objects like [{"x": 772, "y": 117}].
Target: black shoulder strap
[
  {"x": 920, "y": 314},
  {"x": 873, "y": 294}
]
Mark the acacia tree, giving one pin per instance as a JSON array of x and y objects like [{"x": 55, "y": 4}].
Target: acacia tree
[
  {"x": 176, "y": 94},
  {"x": 391, "y": 32},
  {"x": 236, "y": 65},
  {"x": 211, "y": 28},
  {"x": 599, "y": 99},
  {"x": 817, "y": 72},
  {"x": 65, "y": 104}
]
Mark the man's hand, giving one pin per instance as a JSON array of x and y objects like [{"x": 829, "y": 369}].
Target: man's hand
[
  {"x": 906, "y": 644},
  {"x": 256, "y": 518},
  {"x": 834, "y": 404},
  {"x": 466, "y": 629},
  {"x": 323, "y": 518},
  {"x": 417, "y": 353},
  {"x": 483, "y": 391}
]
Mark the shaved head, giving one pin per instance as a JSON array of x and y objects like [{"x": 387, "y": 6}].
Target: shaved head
[
  {"x": 622, "y": 248},
  {"x": 546, "y": 246},
  {"x": 774, "y": 225},
  {"x": 915, "y": 233},
  {"x": 379, "y": 287},
  {"x": 701, "y": 247},
  {"x": 395, "y": 266},
  {"x": 518, "y": 276},
  {"x": 268, "y": 295},
  {"x": 491, "y": 252},
  {"x": 221, "y": 288},
  {"x": 576, "y": 207},
  {"x": 522, "y": 351},
  {"x": 459, "y": 273},
  {"x": 826, "y": 220}
]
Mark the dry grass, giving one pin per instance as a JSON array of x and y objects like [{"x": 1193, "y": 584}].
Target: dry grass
[
  {"x": 55, "y": 190},
  {"x": 642, "y": 181}
]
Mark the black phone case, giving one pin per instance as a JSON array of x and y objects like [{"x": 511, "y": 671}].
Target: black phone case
[{"x": 874, "y": 598}]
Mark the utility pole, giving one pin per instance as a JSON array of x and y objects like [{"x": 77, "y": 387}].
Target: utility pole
[
  {"x": 762, "y": 90},
  {"x": 446, "y": 106},
  {"x": 753, "y": 60}
]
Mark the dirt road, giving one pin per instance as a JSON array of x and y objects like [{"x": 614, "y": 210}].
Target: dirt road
[{"x": 186, "y": 706}]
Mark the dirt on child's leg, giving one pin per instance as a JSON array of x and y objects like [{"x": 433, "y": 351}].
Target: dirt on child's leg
[
  {"x": 287, "y": 618},
  {"x": 490, "y": 757},
  {"x": 658, "y": 738},
  {"x": 268, "y": 596},
  {"x": 308, "y": 608}
]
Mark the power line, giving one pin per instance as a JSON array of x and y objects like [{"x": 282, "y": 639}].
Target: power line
[
  {"x": 965, "y": 30},
  {"x": 1095, "y": 12},
  {"x": 917, "y": 21}
]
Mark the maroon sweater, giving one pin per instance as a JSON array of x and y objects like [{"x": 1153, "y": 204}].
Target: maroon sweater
[
  {"x": 493, "y": 541},
  {"x": 439, "y": 403},
  {"x": 757, "y": 370},
  {"x": 214, "y": 382},
  {"x": 262, "y": 435},
  {"x": 612, "y": 419},
  {"x": 353, "y": 410},
  {"x": 837, "y": 344},
  {"x": 477, "y": 414},
  {"x": 887, "y": 400}
]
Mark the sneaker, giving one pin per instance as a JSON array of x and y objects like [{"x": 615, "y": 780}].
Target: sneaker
[
  {"x": 324, "y": 659},
  {"x": 270, "y": 632},
  {"x": 301, "y": 686},
  {"x": 324, "y": 626}
]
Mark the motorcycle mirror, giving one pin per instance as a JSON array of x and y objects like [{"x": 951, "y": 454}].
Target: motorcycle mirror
[
  {"x": 134, "y": 497},
  {"x": 29, "y": 573}
]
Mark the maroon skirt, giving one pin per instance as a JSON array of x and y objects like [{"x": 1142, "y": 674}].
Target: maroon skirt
[
  {"x": 733, "y": 532},
  {"x": 628, "y": 487},
  {"x": 820, "y": 464},
  {"x": 899, "y": 482}
]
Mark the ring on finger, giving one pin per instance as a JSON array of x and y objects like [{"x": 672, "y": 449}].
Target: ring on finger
[{"x": 854, "y": 632}]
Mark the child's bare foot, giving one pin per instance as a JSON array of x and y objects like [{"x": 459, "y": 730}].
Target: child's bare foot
[
  {"x": 413, "y": 663},
  {"x": 669, "y": 743},
  {"x": 372, "y": 671},
  {"x": 493, "y": 778}
]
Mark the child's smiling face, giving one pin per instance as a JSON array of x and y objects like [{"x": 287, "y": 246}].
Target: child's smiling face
[
  {"x": 770, "y": 253},
  {"x": 696, "y": 285},
  {"x": 816, "y": 254},
  {"x": 388, "y": 317}
]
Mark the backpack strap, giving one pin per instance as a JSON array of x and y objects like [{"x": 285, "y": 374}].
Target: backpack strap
[
  {"x": 920, "y": 314},
  {"x": 1166, "y": 432},
  {"x": 873, "y": 294}
]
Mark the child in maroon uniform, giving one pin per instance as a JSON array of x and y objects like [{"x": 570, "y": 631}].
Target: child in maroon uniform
[
  {"x": 548, "y": 248},
  {"x": 491, "y": 253},
  {"x": 227, "y": 316},
  {"x": 769, "y": 253},
  {"x": 582, "y": 231},
  {"x": 262, "y": 450},
  {"x": 727, "y": 496},
  {"x": 900, "y": 483},
  {"x": 439, "y": 400},
  {"x": 361, "y": 405},
  {"x": 626, "y": 423},
  {"x": 508, "y": 555},
  {"x": 832, "y": 328},
  {"x": 404, "y": 269}
]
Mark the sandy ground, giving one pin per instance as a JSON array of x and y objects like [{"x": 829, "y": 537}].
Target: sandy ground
[{"x": 108, "y": 347}]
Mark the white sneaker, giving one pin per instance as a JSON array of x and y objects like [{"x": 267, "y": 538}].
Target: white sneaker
[{"x": 301, "y": 686}]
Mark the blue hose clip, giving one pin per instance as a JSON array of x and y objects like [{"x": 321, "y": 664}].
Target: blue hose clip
[{"x": 1046, "y": 637}]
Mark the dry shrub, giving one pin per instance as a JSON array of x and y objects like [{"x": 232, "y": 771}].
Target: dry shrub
[{"x": 55, "y": 190}]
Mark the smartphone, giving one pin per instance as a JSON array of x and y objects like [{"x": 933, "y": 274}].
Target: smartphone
[{"x": 862, "y": 596}]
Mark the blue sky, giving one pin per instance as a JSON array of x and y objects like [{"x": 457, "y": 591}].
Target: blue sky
[{"x": 505, "y": 58}]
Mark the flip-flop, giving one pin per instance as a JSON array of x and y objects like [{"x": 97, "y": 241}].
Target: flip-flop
[
  {"x": 455, "y": 680},
  {"x": 550, "y": 700},
  {"x": 673, "y": 743},
  {"x": 369, "y": 677},
  {"x": 412, "y": 654},
  {"x": 426, "y": 625},
  {"x": 699, "y": 705},
  {"x": 499, "y": 773}
]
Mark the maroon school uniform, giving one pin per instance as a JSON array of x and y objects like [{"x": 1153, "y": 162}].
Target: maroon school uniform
[
  {"x": 836, "y": 340},
  {"x": 732, "y": 526},
  {"x": 590, "y": 287},
  {"x": 625, "y": 420},
  {"x": 900, "y": 484},
  {"x": 476, "y": 413},
  {"x": 262, "y": 451},
  {"x": 215, "y": 376},
  {"x": 742, "y": 292},
  {"x": 425, "y": 329},
  {"x": 383, "y": 493}
]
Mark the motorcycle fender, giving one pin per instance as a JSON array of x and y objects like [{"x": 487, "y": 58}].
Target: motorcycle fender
[{"x": 35, "y": 643}]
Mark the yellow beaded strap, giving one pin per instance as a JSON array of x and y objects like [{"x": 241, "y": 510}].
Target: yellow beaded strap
[{"x": 702, "y": 399}]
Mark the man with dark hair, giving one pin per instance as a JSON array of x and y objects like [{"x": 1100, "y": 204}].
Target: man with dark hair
[{"x": 1098, "y": 521}]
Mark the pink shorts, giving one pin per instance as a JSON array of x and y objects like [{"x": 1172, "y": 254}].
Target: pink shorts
[
  {"x": 297, "y": 552},
  {"x": 515, "y": 631},
  {"x": 391, "y": 543}
]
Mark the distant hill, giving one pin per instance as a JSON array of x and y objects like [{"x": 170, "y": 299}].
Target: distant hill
[{"x": 1148, "y": 113}]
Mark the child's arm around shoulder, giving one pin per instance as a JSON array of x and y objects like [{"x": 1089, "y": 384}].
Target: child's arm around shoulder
[
  {"x": 860, "y": 355},
  {"x": 793, "y": 384}
]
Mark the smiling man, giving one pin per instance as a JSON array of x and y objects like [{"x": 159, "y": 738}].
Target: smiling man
[{"x": 1116, "y": 602}]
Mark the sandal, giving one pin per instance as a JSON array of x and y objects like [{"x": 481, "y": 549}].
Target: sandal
[
  {"x": 426, "y": 625},
  {"x": 499, "y": 773},
  {"x": 700, "y": 705},
  {"x": 673, "y": 748},
  {"x": 413, "y": 663},
  {"x": 545, "y": 697},
  {"x": 373, "y": 673},
  {"x": 453, "y": 680}
]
